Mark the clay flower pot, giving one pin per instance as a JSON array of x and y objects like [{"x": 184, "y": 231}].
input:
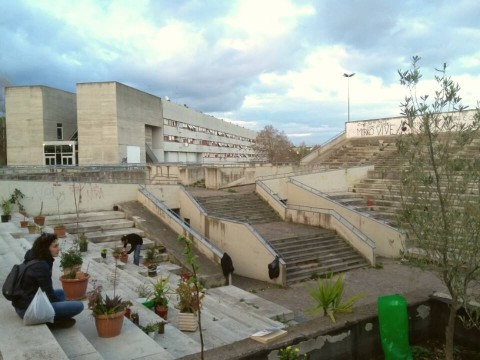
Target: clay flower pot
[
  {"x": 75, "y": 289},
  {"x": 109, "y": 325},
  {"x": 59, "y": 231},
  {"x": 161, "y": 311},
  {"x": 39, "y": 220}
]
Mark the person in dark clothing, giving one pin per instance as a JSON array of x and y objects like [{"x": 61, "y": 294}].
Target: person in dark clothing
[
  {"x": 45, "y": 248},
  {"x": 136, "y": 243}
]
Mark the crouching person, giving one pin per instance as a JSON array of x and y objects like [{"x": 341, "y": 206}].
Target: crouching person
[{"x": 39, "y": 275}]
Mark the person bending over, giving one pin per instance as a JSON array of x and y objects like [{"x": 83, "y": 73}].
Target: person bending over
[
  {"x": 46, "y": 249},
  {"x": 136, "y": 243}
]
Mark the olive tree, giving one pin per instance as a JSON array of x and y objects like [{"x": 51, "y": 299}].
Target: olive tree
[{"x": 439, "y": 187}]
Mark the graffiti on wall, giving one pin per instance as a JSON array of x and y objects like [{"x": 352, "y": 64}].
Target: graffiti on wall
[{"x": 381, "y": 127}]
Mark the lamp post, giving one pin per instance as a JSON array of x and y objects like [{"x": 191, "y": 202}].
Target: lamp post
[{"x": 348, "y": 76}]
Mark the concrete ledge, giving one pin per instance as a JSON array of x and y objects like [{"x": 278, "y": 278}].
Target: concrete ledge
[{"x": 25, "y": 342}]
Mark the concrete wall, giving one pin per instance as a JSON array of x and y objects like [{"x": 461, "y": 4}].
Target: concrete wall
[
  {"x": 335, "y": 180},
  {"x": 97, "y": 124},
  {"x": 95, "y": 196},
  {"x": 135, "y": 109},
  {"x": 391, "y": 126},
  {"x": 168, "y": 194},
  {"x": 32, "y": 114}
]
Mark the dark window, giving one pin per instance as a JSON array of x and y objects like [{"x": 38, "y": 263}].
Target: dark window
[{"x": 59, "y": 131}]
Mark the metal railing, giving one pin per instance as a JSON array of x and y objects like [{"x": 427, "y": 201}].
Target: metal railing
[
  {"x": 327, "y": 196},
  {"x": 159, "y": 204}
]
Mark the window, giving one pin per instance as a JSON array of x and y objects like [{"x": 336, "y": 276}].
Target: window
[{"x": 59, "y": 131}]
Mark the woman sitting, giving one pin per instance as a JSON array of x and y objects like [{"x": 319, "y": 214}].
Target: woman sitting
[{"x": 39, "y": 274}]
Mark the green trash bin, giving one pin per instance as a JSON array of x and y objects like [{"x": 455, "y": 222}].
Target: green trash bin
[{"x": 393, "y": 320}]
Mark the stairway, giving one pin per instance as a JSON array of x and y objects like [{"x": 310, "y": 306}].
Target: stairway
[
  {"x": 248, "y": 207},
  {"x": 309, "y": 251},
  {"x": 227, "y": 316}
]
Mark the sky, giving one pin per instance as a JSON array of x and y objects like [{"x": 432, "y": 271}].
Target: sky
[{"x": 251, "y": 62}]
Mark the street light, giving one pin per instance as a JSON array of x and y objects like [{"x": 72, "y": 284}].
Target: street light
[{"x": 348, "y": 76}]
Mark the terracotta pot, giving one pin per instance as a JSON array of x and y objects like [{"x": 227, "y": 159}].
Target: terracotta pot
[
  {"x": 161, "y": 311},
  {"x": 185, "y": 276},
  {"x": 116, "y": 255},
  {"x": 124, "y": 258},
  {"x": 39, "y": 220},
  {"x": 23, "y": 223},
  {"x": 59, "y": 231},
  {"x": 128, "y": 312},
  {"x": 109, "y": 325},
  {"x": 32, "y": 229},
  {"x": 74, "y": 289},
  {"x": 161, "y": 327},
  {"x": 369, "y": 202}
]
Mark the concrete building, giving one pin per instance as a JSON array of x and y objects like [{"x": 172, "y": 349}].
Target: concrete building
[
  {"x": 41, "y": 125},
  {"x": 111, "y": 123}
]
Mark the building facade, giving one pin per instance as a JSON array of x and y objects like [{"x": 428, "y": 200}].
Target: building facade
[{"x": 111, "y": 123}]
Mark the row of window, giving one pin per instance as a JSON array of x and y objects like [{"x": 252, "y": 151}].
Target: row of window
[
  {"x": 222, "y": 155},
  {"x": 179, "y": 139},
  {"x": 182, "y": 125}
]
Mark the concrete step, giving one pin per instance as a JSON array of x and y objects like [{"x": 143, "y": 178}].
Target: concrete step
[
  {"x": 25, "y": 342},
  {"x": 322, "y": 271},
  {"x": 111, "y": 235},
  {"x": 321, "y": 254},
  {"x": 75, "y": 344},
  {"x": 83, "y": 217},
  {"x": 100, "y": 225}
]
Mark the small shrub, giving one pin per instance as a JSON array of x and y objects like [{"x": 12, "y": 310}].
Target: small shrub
[
  {"x": 328, "y": 297},
  {"x": 290, "y": 353}
]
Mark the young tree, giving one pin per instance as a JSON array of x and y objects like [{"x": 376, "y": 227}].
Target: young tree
[
  {"x": 273, "y": 145},
  {"x": 439, "y": 186}
]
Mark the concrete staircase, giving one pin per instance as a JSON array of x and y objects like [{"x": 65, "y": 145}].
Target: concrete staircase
[
  {"x": 310, "y": 251},
  {"x": 247, "y": 207},
  {"x": 229, "y": 313}
]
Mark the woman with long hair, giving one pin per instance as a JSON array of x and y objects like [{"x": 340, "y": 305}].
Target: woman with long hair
[{"x": 39, "y": 274}]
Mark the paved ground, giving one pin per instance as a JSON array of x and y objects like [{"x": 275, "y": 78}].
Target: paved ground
[{"x": 393, "y": 278}]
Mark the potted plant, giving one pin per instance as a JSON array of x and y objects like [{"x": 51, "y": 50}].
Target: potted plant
[
  {"x": 24, "y": 222},
  {"x": 108, "y": 312},
  {"x": 16, "y": 198},
  {"x": 74, "y": 282},
  {"x": 71, "y": 261},
  {"x": 32, "y": 228},
  {"x": 103, "y": 253},
  {"x": 150, "y": 329},
  {"x": 188, "y": 305},
  {"x": 116, "y": 252},
  {"x": 40, "y": 219},
  {"x": 7, "y": 210},
  {"x": 150, "y": 257},
  {"x": 59, "y": 228},
  {"x": 83, "y": 243},
  {"x": 159, "y": 296}
]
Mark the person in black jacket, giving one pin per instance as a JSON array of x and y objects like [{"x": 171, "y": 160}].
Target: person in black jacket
[
  {"x": 136, "y": 243},
  {"x": 46, "y": 248}
]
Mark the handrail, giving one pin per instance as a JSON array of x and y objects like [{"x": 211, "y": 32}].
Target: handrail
[
  {"x": 321, "y": 169},
  {"x": 259, "y": 237},
  {"x": 327, "y": 196},
  {"x": 205, "y": 241},
  {"x": 274, "y": 195},
  {"x": 332, "y": 139}
]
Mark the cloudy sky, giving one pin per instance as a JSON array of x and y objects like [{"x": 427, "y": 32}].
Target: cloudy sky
[{"x": 254, "y": 62}]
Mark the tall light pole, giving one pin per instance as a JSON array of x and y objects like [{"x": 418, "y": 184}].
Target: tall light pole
[{"x": 348, "y": 76}]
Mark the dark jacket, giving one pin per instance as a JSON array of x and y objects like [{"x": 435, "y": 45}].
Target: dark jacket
[
  {"x": 134, "y": 240},
  {"x": 37, "y": 275}
]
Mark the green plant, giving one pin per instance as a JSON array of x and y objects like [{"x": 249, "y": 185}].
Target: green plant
[
  {"x": 6, "y": 207},
  {"x": 160, "y": 290},
  {"x": 151, "y": 255},
  {"x": 150, "y": 327},
  {"x": 435, "y": 174},
  {"x": 16, "y": 198},
  {"x": 144, "y": 290},
  {"x": 190, "y": 258},
  {"x": 70, "y": 258},
  {"x": 328, "y": 297},
  {"x": 188, "y": 302},
  {"x": 105, "y": 305},
  {"x": 289, "y": 353},
  {"x": 82, "y": 242}
]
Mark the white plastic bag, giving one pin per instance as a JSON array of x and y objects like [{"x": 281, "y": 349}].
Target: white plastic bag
[{"x": 40, "y": 310}]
